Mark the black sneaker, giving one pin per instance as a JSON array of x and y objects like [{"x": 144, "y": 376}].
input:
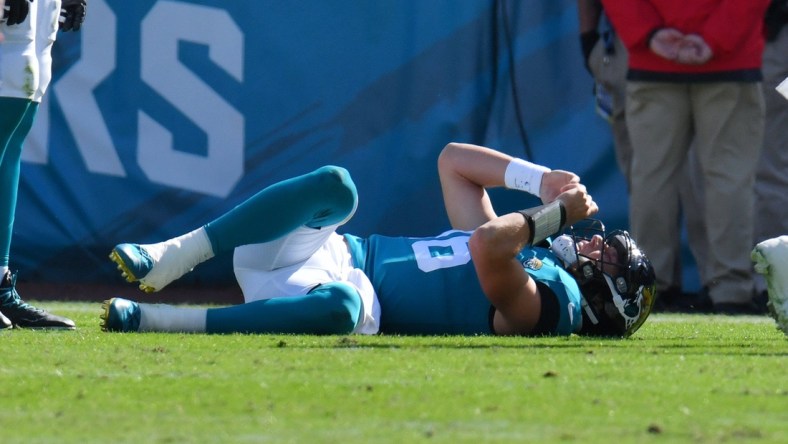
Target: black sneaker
[
  {"x": 757, "y": 305},
  {"x": 737, "y": 309},
  {"x": 22, "y": 314},
  {"x": 673, "y": 300},
  {"x": 4, "y": 322}
]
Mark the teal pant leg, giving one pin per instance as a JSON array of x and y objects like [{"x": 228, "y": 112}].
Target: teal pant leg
[
  {"x": 324, "y": 197},
  {"x": 333, "y": 308},
  {"x": 16, "y": 119}
]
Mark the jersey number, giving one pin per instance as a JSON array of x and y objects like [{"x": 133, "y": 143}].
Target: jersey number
[{"x": 434, "y": 254}]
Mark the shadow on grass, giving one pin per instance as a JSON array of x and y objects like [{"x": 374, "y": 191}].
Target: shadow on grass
[
  {"x": 702, "y": 347},
  {"x": 450, "y": 342}
]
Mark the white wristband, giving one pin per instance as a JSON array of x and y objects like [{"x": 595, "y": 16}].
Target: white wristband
[{"x": 524, "y": 176}]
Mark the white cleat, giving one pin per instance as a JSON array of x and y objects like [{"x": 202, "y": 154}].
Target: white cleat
[{"x": 771, "y": 260}]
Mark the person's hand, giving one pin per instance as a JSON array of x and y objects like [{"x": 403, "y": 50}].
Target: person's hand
[
  {"x": 693, "y": 50},
  {"x": 72, "y": 14},
  {"x": 15, "y": 11},
  {"x": 666, "y": 43},
  {"x": 687, "y": 49},
  {"x": 577, "y": 203},
  {"x": 553, "y": 183}
]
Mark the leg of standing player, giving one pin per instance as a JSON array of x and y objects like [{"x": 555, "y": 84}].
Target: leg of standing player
[{"x": 24, "y": 76}]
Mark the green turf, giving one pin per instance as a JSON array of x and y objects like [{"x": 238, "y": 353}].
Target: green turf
[{"x": 694, "y": 379}]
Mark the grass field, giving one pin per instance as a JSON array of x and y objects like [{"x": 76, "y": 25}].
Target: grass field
[{"x": 694, "y": 379}]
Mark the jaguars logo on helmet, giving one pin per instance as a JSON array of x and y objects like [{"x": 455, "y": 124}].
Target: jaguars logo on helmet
[{"x": 615, "y": 303}]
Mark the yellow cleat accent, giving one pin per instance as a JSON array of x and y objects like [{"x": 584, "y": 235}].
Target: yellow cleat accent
[
  {"x": 104, "y": 314},
  {"x": 125, "y": 272}
]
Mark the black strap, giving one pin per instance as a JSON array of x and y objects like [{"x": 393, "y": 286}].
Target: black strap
[{"x": 549, "y": 314}]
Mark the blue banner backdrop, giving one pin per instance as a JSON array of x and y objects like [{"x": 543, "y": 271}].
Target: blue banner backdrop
[{"x": 164, "y": 114}]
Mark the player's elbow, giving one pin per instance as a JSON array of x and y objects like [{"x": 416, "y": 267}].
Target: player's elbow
[
  {"x": 447, "y": 159},
  {"x": 497, "y": 240},
  {"x": 484, "y": 243}
]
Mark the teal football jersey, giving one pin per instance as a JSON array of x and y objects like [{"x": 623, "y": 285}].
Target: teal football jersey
[{"x": 428, "y": 285}]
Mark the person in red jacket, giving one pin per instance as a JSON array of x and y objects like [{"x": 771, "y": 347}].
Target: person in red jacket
[
  {"x": 605, "y": 59},
  {"x": 694, "y": 78}
]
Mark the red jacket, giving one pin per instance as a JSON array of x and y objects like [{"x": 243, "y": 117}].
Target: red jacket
[{"x": 732, "y": 28}]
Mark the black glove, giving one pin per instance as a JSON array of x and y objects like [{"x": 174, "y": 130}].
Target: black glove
[
  {"x": 587, "y": 41},
  {"x": 776, "y": 18},
  {"x": 72, "y": 14},
  {"x": 15, "y": 11}
]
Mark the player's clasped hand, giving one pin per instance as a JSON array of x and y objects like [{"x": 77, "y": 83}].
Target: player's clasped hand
[
  {"x": 72, "y": 14},
  {"x": 577, "y": 202},
  {"x": 553, "y": 183},
  {"x": 15, "y": 11}
]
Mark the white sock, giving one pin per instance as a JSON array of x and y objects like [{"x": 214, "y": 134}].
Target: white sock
[
  {"x": 176, "y": 257},
  {"x": 168, "y": 318}
]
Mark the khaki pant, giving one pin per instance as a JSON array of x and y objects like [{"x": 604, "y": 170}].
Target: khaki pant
[
  {"x": 610, "y": 71},
  {"x": 724, "y": 123}
]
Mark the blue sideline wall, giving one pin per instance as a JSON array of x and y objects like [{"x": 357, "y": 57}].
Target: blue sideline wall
[{"x": 164, "y": 114}]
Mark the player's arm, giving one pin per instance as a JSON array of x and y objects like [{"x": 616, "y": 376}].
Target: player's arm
[
  {"x": 496, "y": 244},
  {"x": 466, "y": 171}
]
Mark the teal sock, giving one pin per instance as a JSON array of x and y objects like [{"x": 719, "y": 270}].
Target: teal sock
[
  {"x": 333, "y": 308},
  {"x": 323, "y": 197},
  {"x": 16, "y": 119}
]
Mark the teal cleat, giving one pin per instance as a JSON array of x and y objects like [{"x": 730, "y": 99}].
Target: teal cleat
[
  {"x": 134, "y": 263},
  {"x": 120, "y": 315},
  {"x": 156, "y": 265}
]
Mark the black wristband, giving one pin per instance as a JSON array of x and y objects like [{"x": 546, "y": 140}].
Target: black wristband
[
  {"x": 587, "y": 41},
  {"x": 776, "y": 18},
  {"x": 544, "y": 221}
]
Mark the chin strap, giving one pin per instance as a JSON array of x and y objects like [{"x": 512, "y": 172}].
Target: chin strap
[{"x": 590, "y": 313}]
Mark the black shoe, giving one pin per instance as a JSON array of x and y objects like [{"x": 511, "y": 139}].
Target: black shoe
[
  {"x": 664, "y": 302},
  {"x": 4, "y": 322},
  {"x": 24, "y": 315},
  {"x": 757, "y": 305},
  {"x": 761, "y": 301},
  {"x": 737, "y": 308},
  {"x": 673, "y": 300}
]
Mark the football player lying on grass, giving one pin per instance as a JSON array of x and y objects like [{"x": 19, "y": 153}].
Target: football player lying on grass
[{"x": 490, "y": 274}]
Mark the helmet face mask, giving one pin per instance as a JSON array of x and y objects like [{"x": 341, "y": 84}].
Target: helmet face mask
[{"x": 617, "y": 281}]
